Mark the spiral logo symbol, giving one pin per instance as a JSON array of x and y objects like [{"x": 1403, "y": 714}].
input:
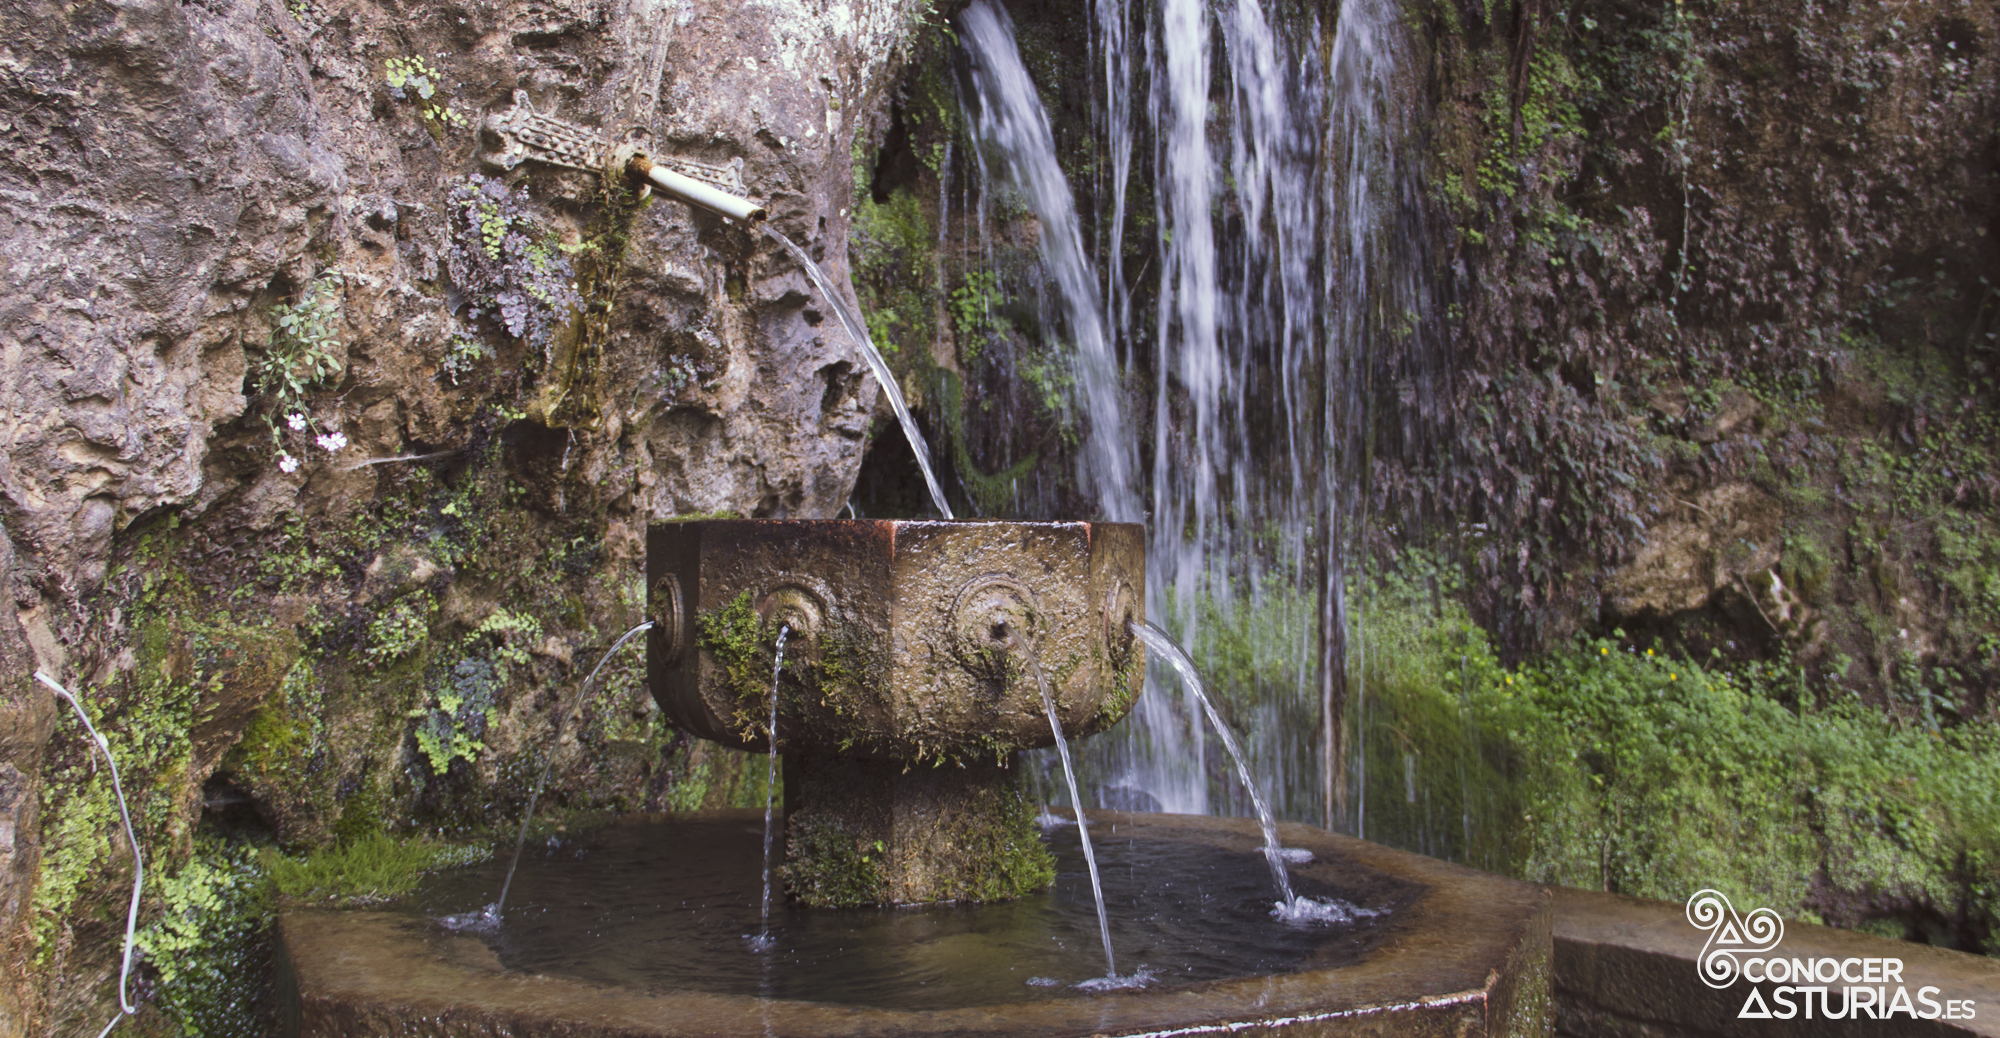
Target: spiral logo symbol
[{"x": 1730, "y": 935}]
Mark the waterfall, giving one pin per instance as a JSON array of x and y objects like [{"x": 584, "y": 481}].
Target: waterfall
[
  {"x": 1285, "y": 340},
  {"x": 1011, "y": 120}
]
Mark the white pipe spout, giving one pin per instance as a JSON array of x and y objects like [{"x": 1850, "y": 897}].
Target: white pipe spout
[{"x": 694, "y": 192}]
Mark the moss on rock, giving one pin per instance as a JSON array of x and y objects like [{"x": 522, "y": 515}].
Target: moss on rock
[{"x": 879, "y": 832}]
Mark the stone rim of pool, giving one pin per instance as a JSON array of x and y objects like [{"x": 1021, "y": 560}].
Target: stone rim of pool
[{"x": 1469, "y": 955}]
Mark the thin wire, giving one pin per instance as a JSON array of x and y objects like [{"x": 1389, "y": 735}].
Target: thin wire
[{"x": 138, "y": 866}]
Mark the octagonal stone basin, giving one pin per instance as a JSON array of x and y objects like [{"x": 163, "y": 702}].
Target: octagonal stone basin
[
  {"x": 1459, "y": 953},
  {"x": 897, "y": 644},
  {"x": 905, "y": 690}
]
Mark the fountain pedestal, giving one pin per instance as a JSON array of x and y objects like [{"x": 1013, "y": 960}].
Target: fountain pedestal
[
  {"x": 882, "y": 832},
  {"x": 900, "y": 701}
]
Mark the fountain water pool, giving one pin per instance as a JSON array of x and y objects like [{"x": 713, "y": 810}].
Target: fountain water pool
[
  {"x": 901, "y": 699},
  {"x": 1462, "y": 953},
  {"x": 662, "y": 906}
]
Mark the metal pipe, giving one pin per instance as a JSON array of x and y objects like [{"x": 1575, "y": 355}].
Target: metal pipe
[{"x": 694, "y": 192}]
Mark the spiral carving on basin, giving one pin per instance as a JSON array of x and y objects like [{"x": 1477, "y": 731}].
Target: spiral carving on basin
[{"x": 901, "y": 703}]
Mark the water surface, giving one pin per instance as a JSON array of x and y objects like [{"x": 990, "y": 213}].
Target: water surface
[{"x": 673, "y": 907}]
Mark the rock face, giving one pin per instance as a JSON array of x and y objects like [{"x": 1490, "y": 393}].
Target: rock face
[
  {"x": 1726, "y": 534},
  {"x": 1721, "y": 283},
  {"x": 26, "y": 716},
  {"x": 180, "y": 178},
  {"x": 179, "y": 168}
]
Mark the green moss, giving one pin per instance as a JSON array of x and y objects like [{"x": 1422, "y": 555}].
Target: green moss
[
  {"x": 1124, "y": 691},
  {"x": 367, "y": 870},
  {"x": 398, "y": 630},
  {"x": 1008, "y": 858},
  {"x": 283, "y": 731},
  {"x": 845, "y": 674},
  {"x": 829, "y": 866},
  {"x": 273, "y": 739},
  {"x": 894, "y": 250},
  {"x": 990, "y": 492},
  {"x": 735, "y": 636}
]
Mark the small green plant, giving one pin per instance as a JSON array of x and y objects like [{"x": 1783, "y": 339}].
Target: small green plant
[
  {"x": 974, "y": 315},
  {"x": 515, "y": 274},
  {"x": 510, "y": 628},
  {"x": 894, "y": 251},
  {"x": 207, "y": 939},
  {"x": 397, "y": 631},
  {"x": 414, "y": 75},
  {"x": 462, "y": 354},
  {"x": 368, "y": 869},
  {"x": 1049, "y": 373},
  {"x": 462, "y": 706},
  {"x": 303, "y": 355}
]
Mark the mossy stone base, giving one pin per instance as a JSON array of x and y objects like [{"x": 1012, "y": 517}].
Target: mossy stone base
[{"x": 881, "y": 832}]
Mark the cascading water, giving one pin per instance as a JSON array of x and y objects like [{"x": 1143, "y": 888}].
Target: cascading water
[
  {"x": 857, "y": 330},
  {"x": 1287, "y": 305},
  {"x": 1011, "y": 120},
  {"x": 1013, "y": 126}
]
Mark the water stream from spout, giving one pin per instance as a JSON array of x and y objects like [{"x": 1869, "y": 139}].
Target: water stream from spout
[
  {"x": 489, "y": 916},
  {"x": 762, "y": 942},
  {"x": 1291, "y": 907},
  {"x": 1111, "y": 979},
  {"x": 1159, "y": 643},
  {"x": 857, "y": 330}
]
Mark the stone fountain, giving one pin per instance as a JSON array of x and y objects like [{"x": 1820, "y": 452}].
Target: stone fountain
[
  {"x": 901, "y": 668},
  {"x": 901, "y": 702},
  {"x": 901, "y": 705}
]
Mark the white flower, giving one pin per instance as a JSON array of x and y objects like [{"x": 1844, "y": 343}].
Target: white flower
[
  {"x": 297, "y": 421},
  {"x": 288, "y": 463},
  {"x": 332, "y": 441}
]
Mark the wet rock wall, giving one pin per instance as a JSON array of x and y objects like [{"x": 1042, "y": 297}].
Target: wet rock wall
[{"x": 218, "y": 216}]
